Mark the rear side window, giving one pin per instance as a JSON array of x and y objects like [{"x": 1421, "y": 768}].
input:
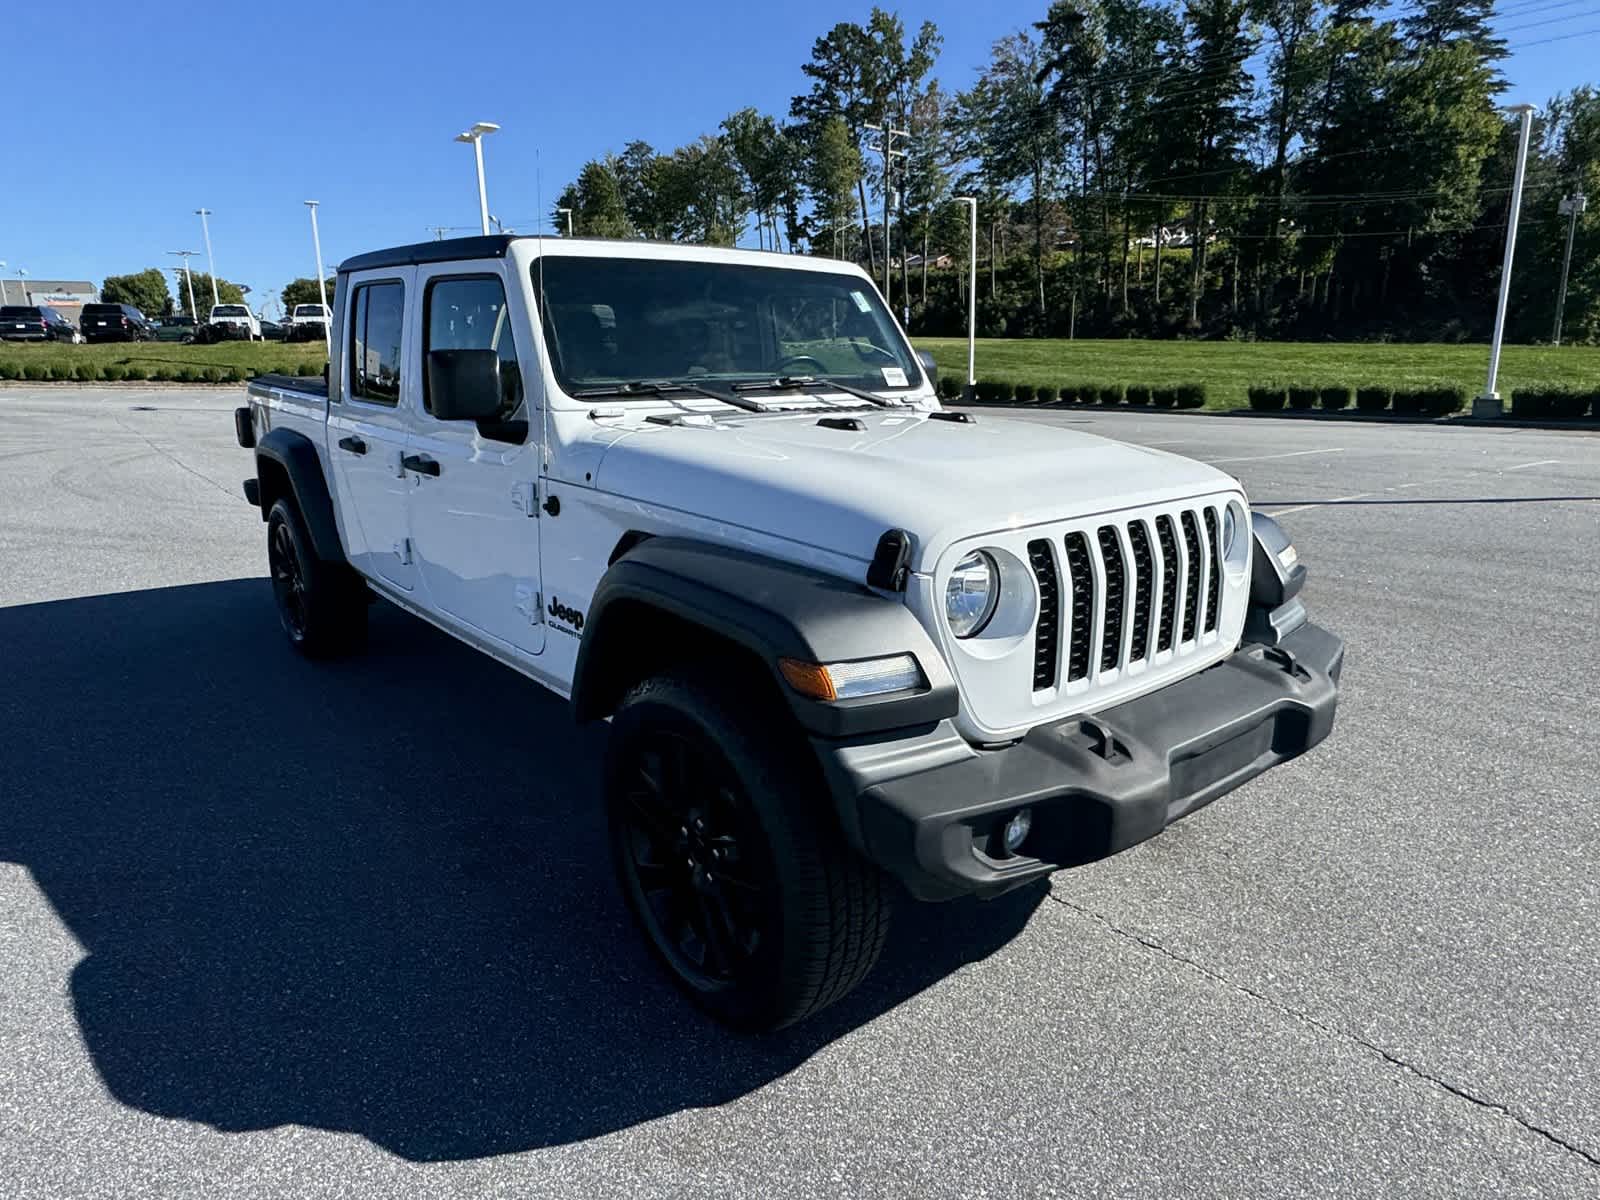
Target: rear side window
[
  {"x": 470, "y": 314},
  {"x": 377, "y": 313}
]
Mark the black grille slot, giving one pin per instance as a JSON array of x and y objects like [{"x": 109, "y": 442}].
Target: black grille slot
[
  {"x": 1191, "y": 599},
  {"x": 1214, "y": 587},
  {"x": 1169, "y": 582},
  {"x": 1082, "y": 578},
  {"x": 1116, "y": 586},
  {"x": 1047, "y": 636},
  {"x": 1144, "y": 586}
]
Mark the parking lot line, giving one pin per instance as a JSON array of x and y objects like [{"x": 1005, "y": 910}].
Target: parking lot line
[
  {"x": 1290, "y": 454},
  {"x": 1543, "y": 462}
]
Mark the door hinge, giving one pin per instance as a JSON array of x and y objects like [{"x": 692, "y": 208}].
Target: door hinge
[
  {"x": 524, "y": 498},
  {"x": 402, "y": 551}
]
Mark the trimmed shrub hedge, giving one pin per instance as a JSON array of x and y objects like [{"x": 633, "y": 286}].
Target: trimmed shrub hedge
[
  {"x": 1192, "y": 395},
  {"x": 1303, "y": 398},
  {"x": 994, "y": 391},
  {"x": 112, "y": 372},
  {"x": 136, "y": 372},
  {"x": 1109, "y": 394},
  {"x": 10, "y": 370},
  {"x": 36, "y": 371},
  {"x": 1554, "y": 404},
  {"x": 1164, "y": 397},
  {"x": 947, "y": 387},
  {"x": 306, "y": 370},
  {"x": 1138, "y": 395},
  {"x": 1335, "y": 398},
  {"x": 1046, "y": 393},
  {"x": 1442, "y": 401},
  {"x": 1268, "y": 399},
  {"x": 1023, "y": 393},
  {"x": 1373, "y": 399}
]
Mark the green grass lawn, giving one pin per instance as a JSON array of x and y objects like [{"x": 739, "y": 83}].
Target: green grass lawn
[
  {"x": 261, "y": 357},
  {"x": 1228, "y": 368}
]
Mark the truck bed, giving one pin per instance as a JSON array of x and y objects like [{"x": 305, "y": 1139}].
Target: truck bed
[{"x": 310, "y": 386}]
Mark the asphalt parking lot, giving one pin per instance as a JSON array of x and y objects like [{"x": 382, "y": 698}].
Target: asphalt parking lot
[{"x": 269, "y": 928}]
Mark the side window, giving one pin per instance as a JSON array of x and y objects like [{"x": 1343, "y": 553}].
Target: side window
[
  {"x": 470, "y": 314},
  {"x": 377, "y": 317}
]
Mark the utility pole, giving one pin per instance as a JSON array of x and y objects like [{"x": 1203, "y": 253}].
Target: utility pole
[
  {"x": 211, "y": 263},
  {"x": 1488, "y": 404},
  {"x": 322, "y": 285},
  {"x": 972, "y": 297},
  {"x": 1571, "y": 207},
  {"x": 885, "y": 146},
  {"x": 188, "y": 279}
]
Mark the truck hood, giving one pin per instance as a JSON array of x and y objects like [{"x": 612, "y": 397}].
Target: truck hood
[{"x": 839, "y": 489}]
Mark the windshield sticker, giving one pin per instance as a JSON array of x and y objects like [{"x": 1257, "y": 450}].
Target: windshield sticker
[
  {"x": 861, "y": 301},
  {"x": 894, "y": 377}
]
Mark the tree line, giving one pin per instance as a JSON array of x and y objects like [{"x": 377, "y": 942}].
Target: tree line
[{"x": 1214, "y": 168}]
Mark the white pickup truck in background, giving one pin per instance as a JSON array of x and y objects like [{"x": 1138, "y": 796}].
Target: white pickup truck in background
[
  {"x": 850, "y": 644},
  {"x": 237, "y": 318},
  {"x": 307, "y": 323}
]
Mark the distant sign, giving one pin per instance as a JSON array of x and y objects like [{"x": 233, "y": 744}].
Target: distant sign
[{"x": 61, "y": 297}]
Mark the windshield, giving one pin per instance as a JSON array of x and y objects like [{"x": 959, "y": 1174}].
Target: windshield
[
  {"x": 230, "y": 310},
  {"x": 102, "y": 310},
  {"x": 18, "y": 310},
  {"x": 308, "y": 310},
  {"x": 613, "y": 320}
]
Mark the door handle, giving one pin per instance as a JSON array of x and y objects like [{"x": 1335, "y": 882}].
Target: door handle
[
  {"x": 420, "y": 463},
  {"x": 353, "y": 444}
]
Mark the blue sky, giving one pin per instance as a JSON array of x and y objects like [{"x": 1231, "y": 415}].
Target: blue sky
[{"x": 355, "y": 104}]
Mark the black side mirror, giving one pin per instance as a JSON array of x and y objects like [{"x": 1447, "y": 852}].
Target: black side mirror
[
  {"x": 925, "y": 357},
  {"x": 464, "y": 385}
]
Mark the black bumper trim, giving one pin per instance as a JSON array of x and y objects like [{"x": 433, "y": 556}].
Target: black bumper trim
[{"x": 1099, "y": 784}]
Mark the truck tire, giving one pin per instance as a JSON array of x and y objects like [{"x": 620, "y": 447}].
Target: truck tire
[
  {"x": 729, "y": 854},
  {"x": 322, "y": 606}
]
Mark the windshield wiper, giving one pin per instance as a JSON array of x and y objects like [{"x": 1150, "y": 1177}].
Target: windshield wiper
[
  {"x": 662, "y": 388},
  {"x": 810, "y": 383}
]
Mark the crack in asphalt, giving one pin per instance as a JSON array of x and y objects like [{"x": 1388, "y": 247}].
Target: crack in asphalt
[
  {"x": 1325, "y": 1028},
  {"x": 176, "y": 461}
]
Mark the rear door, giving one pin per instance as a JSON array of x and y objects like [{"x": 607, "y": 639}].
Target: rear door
[
  {"x": 474, "y": 512},
  {"x": 368, "y": 424}
]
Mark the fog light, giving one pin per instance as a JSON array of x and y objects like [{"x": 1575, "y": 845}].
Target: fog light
[{"x": 1016, "y": 830}]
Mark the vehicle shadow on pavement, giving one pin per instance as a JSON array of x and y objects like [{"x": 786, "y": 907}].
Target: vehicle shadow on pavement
[{"x": 369, "y": 896}]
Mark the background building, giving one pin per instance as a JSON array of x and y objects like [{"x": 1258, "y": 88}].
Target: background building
[{"x": 66, "y": 296}]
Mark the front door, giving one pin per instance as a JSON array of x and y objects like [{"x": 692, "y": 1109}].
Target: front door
[
  {"x": 474, "y": 513},
  {"x": 368, "y": 424}
]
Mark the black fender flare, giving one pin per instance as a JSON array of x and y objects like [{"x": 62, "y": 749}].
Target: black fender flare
[
  {"x": 770, "y": 609},
  {"x": 293, "y": 456}
]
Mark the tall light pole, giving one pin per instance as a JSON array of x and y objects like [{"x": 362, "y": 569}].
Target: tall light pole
[
  {"x": 972, "y": 296},
  {"x": 322, "y": 287},
  {"x": 567, "y": 213},
  {"x": 1488, "y": 404},
  {"x": 188, "y": 278},
  {"x": 211, "y": 263},
  {"x": 1571, "y": 207},
  {"x": 885, "y": 146},
  {"x": 475, "y": 136}
]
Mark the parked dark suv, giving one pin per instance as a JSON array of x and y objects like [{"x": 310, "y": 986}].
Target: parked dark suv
[
  {"x": 116, "y": 323},
  {"x": 35, "y": 323}
]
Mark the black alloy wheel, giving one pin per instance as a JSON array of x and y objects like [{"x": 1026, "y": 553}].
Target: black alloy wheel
[
  {"x": 690, "y": 850},
  {"x": 288, "y": 581}
]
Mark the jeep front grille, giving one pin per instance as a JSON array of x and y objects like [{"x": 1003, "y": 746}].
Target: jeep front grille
[
  {"x": 1047, "y": 642},
  {"x": 1159, "y": 580},
  {"x": 1083, "y": 607}
]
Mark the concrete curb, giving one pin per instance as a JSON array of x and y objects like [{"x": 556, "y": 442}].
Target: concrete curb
[{"x": 1341, "y": 417}]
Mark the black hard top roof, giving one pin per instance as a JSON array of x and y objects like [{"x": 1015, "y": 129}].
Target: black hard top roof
[{"x": 445, "y": 250}]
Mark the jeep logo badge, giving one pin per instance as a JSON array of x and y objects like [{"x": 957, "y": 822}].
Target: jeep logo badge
[{"x": 568, "y": 616}]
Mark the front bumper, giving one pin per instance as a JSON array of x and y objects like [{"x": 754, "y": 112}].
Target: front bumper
[{"x": 930, "y": 808}]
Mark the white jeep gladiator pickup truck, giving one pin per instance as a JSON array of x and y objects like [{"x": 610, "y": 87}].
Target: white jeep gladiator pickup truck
[{"x": 849, "y": 643}]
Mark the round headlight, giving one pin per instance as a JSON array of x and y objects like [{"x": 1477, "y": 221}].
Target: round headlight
[{"x": 971, "y": 594}]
